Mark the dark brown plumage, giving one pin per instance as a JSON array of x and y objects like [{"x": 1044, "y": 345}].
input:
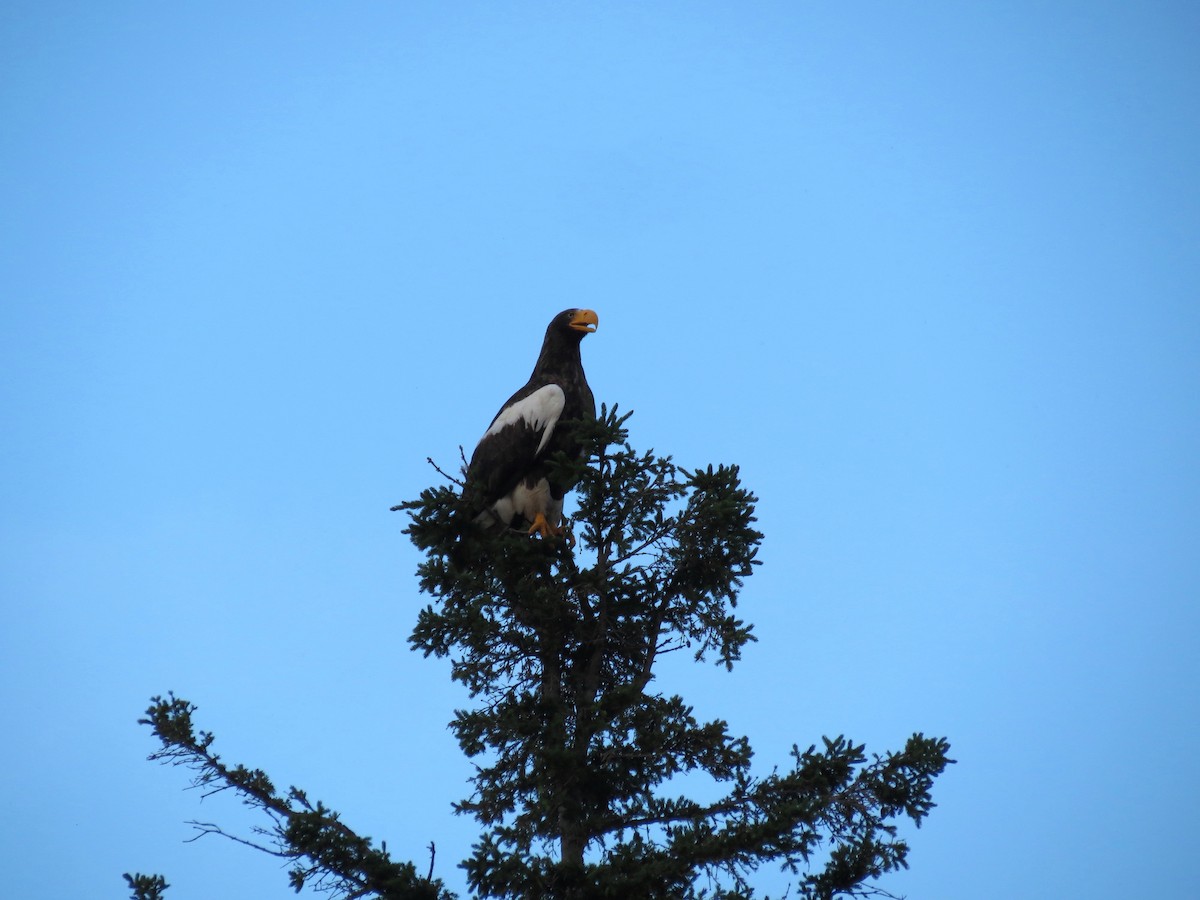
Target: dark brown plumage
[{"x": 508, "y": 480}]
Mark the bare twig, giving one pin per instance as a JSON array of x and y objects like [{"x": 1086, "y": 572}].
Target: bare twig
[
  {"x": 204, "y": 828},
  {"x": 443, "y": 473}
]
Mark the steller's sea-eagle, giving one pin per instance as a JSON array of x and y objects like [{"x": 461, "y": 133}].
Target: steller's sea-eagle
[{"x": 508, "y": 477}]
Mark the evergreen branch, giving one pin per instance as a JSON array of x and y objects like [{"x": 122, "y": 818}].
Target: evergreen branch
[
  {"x": 339, "y": 860},
  {"x": 206, "y": 828},
  {"x": 146, "y": 887}
]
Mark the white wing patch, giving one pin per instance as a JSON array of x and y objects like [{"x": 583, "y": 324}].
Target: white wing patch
[{"x": 540, "y": 411}]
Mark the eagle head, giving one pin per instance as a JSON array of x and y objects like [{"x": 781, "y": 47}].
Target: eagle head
[{"x": 584, "y": 321}]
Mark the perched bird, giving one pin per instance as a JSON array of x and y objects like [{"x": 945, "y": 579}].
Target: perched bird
[{"x": 508, "y": 477}]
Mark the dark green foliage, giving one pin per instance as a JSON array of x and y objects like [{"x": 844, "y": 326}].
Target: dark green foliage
[
  {"x": 323, "y": 851},
  {"x": 556, "y": 645},
  {"x": 555, "y": 642},
  {"x": 146, "y": 887}
]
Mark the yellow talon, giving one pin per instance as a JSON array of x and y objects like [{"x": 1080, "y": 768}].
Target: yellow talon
[{"x": 541, "y": 526}]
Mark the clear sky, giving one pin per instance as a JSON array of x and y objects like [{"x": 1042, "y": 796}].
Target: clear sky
[{"x": 927, "y": 271}]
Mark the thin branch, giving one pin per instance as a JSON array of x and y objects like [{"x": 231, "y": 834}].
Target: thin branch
[
  {"x": 209, "y": 828},
  {"x": 657, "y": 535},
  {"x": 708, "y": 812},
  {"x": 443, "y": 473}
]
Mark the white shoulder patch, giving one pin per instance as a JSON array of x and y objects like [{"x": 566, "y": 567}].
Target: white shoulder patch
[{"x": 540, "y": 411}]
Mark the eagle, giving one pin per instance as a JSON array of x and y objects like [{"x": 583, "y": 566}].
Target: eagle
[{"x": 508, "y": 479}]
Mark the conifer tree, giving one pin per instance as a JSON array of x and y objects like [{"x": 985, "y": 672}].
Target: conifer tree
[{"x": 555, "y": 642}]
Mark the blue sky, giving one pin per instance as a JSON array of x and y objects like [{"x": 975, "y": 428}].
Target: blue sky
[{"x": 927, "y": 272}]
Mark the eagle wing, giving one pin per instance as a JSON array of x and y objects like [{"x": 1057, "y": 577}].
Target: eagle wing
[{"x": 515, "y": 440}]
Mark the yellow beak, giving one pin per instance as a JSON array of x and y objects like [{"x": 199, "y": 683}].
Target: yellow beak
[{"x": 585, "y": 320}]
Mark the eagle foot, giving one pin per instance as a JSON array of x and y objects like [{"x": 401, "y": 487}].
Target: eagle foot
[{"x": 541, "y": 526}]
